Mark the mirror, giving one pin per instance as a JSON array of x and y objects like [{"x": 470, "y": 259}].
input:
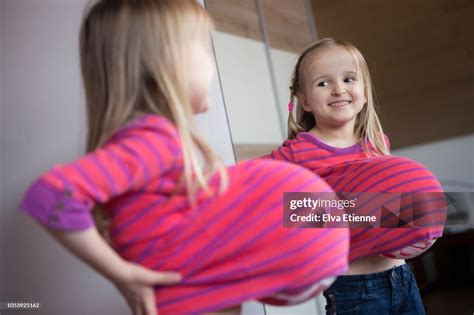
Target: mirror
[
  {"x": 256, "y": 45},
  {"x": 421, "y": 65},
  {"x": 421, "y": 58}
]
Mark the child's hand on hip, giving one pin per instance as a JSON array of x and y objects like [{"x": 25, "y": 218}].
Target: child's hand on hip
[{"x": 137, "y": 287}]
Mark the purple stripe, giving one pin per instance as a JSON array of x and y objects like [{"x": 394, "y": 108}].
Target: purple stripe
[
  {"x": 312, "y": 148},
  {"x": 280, "y": 156},
  {"x": 359, "y": 244},
  {"x": 369, "y": 164},
  {"x": 282, "y": 256},
  {"x": 95, "y": 191},
  {"x": 146, "y": 252},
  {"x": 329, "y": 156},
  {"x": 231, "y": 232},
  {"x": 260, "y": 294},
  {"x": 155, "y": 153},
  {"x": 121, "y": 165},
  {"x": 416, "y": 179},
  {"x": 129, "y": 243},
  {"x": 342, "y": 177},
  {"x": 144, "y": 232},
  {"x": 136, "y": 196},
  {"x": 425, "y": 237},
  {"x": 165, "y": 139},
  {"x": 105, "y": 172},
  {"x": 385, "y": 178},
  {"x": 138, "y": 159},
  {"x": 140, "y": 213},
  {"x": 214, "y": 288},
  {"x": 62, "y": 178},
  {"x": 230, "y": 205},
  {"x": 236, "y": 230},
  {"x": 372, "y": 175},
  {"x": 356, "y": 148}
]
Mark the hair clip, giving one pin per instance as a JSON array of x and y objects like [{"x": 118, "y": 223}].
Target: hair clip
[{"x": 291, "y": 106}]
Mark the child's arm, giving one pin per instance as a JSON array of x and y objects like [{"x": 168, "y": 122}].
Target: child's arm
[
  {"x": 133, "y": 281},
  {"x": 62, "y": 200},
  {"x": 63, "y": 197}
]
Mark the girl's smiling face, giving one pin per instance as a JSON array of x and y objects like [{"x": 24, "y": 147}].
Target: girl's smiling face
[{"x": 333, "y": 89}]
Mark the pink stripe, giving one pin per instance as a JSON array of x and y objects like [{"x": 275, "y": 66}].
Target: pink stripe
[
  {"x": 120, "y": 164},
  {"x": 362, "y": 181},
  {"x": 364, "y": 167},
  {"x": 93, "y": 158},
  {"x": 96, "y": 194},
  {"x": 413, "y": 180},
  {"x": 237, "y": 229},
  {"x": 230, "y": 232},
  {"x": 286, "y": 255},
  {"x": 232, "y": 203},
  {"x": 385, "y": 178},
  {"x": 138, "y": 158},
  {"x": 152, "y": 148}
]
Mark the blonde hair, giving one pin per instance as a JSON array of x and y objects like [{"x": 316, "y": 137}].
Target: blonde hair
[
  {"x": 135, "y": 56},
  {"x": 367, "y": 126}
]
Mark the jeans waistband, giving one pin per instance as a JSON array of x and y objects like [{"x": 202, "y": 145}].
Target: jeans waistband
[{"x": 384, "y": 279}]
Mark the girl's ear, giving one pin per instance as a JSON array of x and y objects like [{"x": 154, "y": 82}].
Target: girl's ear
[{"x": 302, "y": 101}]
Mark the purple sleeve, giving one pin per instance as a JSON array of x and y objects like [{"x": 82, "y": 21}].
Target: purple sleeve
[
  {"x": 143, "y": 151},
  {"x": 56, "y": 209}
]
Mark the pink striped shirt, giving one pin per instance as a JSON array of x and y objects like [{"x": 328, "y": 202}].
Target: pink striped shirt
[
  {"x": 350, "y": 170},
  {"x": 229, "y": 248}
]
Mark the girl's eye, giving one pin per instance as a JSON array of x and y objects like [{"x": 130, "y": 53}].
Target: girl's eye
[
  {"x": 349, "y": 79},
  {"x": 323, "y": 83}
]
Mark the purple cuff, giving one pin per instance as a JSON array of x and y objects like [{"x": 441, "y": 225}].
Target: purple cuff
[{"x": 56, "y": 209}]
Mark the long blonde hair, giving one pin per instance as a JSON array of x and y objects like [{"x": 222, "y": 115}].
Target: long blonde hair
[
  {"x": 135, "y": 59},
  {"x": 367, "y": 126}
]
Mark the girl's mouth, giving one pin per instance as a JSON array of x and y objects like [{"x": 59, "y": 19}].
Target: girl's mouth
[{"x": 339, "y": 103}]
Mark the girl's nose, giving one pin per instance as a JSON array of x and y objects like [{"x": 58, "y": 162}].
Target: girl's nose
[{"x": 338, "y": 89}]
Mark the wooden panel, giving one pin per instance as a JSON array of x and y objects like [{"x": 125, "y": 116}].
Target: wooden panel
[
  {"x": 238, "y": 17},
  {"x": 287, "y": 24},
  {"x": 421, "y": 55},
  {"x": 251, "y": 151},
  {"x": 286, "y": 21}
]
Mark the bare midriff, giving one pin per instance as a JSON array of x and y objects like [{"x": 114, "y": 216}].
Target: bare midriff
[{"x": 372, "y": 264}]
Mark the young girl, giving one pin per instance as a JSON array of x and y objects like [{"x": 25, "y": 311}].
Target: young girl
[
  {"x": 337, "y": 135},
  {"x": 170, "y": 203}
]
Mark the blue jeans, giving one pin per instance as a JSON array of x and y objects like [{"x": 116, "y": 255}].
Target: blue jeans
[{"x": 393, "y": 292}]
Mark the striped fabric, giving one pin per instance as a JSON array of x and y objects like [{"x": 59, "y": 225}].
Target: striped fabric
[
  {"x": 350, "y": 170},
  {"x": 229, "y": 248}
]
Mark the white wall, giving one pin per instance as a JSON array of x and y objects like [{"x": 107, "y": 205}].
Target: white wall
[
  {"x": 451, "y": 160},
  {"x": 42, "y": 123},
  {"x": 247, "y": 89}
]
